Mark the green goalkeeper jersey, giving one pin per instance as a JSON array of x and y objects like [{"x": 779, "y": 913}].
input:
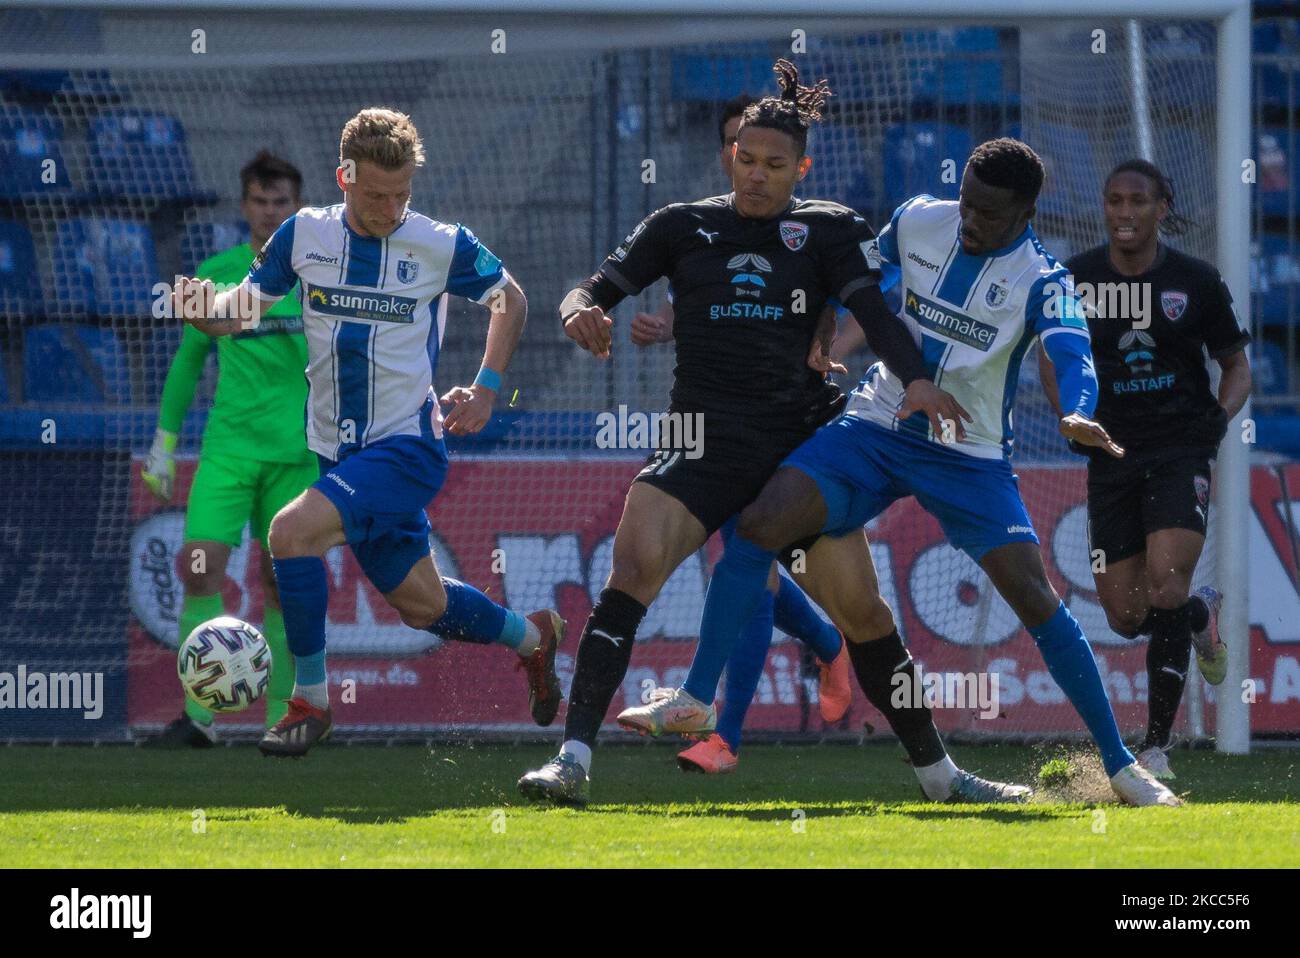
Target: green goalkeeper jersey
[{"x": 257, "y": 412}]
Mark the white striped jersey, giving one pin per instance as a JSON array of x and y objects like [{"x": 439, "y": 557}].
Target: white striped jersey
[
  {"x": 973, "y": 317},
  {"x": 373, "y": 311}
]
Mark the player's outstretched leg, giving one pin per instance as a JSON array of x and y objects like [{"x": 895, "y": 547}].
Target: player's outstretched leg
[
  {"x": 841, "y": 578},
  {"x": 654, "y": 535},
  {"x": 457, "y": 611},
  {"x": 1016, "y": 570}
]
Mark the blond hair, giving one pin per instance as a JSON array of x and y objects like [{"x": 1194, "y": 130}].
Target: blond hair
[{"x": 381, "y": 136}]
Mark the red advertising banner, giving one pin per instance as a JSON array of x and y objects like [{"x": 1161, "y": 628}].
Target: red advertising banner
[{"x": 538, "y": 533}]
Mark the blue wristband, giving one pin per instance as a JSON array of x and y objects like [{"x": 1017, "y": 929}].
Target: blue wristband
[{"x": 489, "y": 378}]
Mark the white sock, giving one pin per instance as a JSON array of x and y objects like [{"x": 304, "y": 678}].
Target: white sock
[
  {"x": 579, "y": 752},
  {"x": 936, "y": 780},
  {"x": 317, "y": 694},
  {"x": 532, "y": 639}
]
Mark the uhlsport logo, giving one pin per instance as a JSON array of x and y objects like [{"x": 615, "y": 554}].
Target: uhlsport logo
[
  {"x": 370, "y": 305},
  {"x": 949, "y": 323}
]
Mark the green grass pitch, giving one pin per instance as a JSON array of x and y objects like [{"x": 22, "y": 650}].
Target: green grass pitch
[{"x": 449, "y": 805}]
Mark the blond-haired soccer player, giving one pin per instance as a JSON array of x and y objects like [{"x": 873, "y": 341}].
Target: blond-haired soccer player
[{"x": 375, "y": 277}]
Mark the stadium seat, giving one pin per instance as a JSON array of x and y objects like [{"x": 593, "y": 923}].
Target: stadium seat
[
  {"x": 839, "y": 171},
  {"x": 104, "y": 267},
  {"x": 20, "y": 285},
  {"x": 201, "y": 240},
  {"x": 1073, "y": 187},
  {"x": 1268, "y": 368},
  {"x": 712, "y": 78},
  {"x": 1274, "y": 81},
  {"x": 68, "y": 363},
  {"x": 136, "y": 154},
  {"x": 914, "y": 155},
  {"x": 1276, "y": 175},
  {"x": 27, "y": 140},
  {"x": 1275, "y": 279},
  {"x": 972, "y": 71}
]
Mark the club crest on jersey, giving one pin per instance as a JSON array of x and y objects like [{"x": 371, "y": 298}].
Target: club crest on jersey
[
  {"x": 1174, "y": 303},
  {"x": 996, "y": 295},
  {"x": 793, "y": 235},
  {"x": 1202, "y": 486},
  {"x": 407, "y": 270}
]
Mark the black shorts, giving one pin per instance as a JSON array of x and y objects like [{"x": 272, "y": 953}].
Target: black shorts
[
  {"x": 729, "y": 469},
  {"x": 1128, "y": 502}
]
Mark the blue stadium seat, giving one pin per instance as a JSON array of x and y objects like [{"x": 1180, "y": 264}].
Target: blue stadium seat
[
  {"x": 137, "y": 154},
  {"x": 1275, "y": 279},
  {"x": 712, "y": 78},
  {"x": 1073, "y": 186},
  {"x": 20, "y": 285},
  {"x": 839, "y": 171},
  {"x": 27, "y": 140},
  {"x": 1268, "y": 368},
  {"x": 971, "y": 71},
  {"x": 201, "y": 240},
  {"x": 104, "y": 267},
  {"x": 1276, "y": 175},
  {"x": 914, "y": 155},
  {"x": 67, "y": 363}
]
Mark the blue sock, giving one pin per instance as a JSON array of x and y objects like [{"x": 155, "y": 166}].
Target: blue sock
[
  {"x": 1069, "y": 660},
  {"x": 795, "y": 616},
  {"x": 738, "y": 586},
  {"x": 304, "y": 597},
  {"x": 744, "y": 669},
  {"x": 471, "y": 616}
]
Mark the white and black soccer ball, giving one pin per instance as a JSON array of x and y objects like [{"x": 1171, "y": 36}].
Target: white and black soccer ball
[{"x": 224, "y": 664}]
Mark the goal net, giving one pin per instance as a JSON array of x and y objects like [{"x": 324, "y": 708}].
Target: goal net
[{"x": 122, "y": 139}]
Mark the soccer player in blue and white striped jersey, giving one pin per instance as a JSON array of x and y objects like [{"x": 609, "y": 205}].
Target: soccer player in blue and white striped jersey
[{"x": 374, "y": 278}]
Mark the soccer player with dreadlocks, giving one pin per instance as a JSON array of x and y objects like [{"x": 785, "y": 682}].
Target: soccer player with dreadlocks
[
  {"x": 1147, "y": 510},
  {"x": 788, "y": 609},
  {"x": 750, "y": 273},
  {"x": 978, "y": 289}
]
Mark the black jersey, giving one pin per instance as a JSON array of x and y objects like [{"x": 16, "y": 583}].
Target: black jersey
[
  {"x": 1154, "y": 388},
  {"x": 747, "y": 295}
]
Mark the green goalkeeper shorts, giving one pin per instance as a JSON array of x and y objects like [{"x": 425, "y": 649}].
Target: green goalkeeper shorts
[{"x": 230, "y": 491}]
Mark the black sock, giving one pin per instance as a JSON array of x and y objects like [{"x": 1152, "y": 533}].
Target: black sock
[
  {"x": 1167, "y": 656},
  {"x": 876, "y": 663},
  {"x": 602, "y": 663},
  {"x": 1200, "y": 613}
]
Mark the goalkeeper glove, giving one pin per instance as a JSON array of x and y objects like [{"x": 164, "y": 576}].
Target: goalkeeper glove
[{"x": 159, "y": 472}]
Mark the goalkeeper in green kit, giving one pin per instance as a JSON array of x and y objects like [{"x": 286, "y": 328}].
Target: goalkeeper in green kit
[{"x": 254, "y": 458}]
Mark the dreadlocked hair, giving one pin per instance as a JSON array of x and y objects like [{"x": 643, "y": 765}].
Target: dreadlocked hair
[
  {"x": 794, "y": 111},
  {"x": 1174, "y": 223}
]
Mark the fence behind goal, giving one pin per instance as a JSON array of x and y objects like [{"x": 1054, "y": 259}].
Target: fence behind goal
[{"x": 551, "y": 140}]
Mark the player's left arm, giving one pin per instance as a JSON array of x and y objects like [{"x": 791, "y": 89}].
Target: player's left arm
[
  {"x": 476, "y": 273},
  {"x": 1226, "y": 342},
  {"x": 1057, "y": 315}
]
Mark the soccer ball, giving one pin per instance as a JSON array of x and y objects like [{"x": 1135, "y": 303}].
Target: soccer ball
[{"x": 224, "y": 664}]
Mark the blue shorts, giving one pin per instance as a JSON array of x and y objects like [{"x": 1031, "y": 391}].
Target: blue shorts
[
  {"x": 861, "y": 468},
  {"x": 381, "y": 492}
]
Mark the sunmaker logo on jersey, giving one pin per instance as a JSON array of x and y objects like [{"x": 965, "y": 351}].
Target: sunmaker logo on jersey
[
  {"x": 371, "y": 305},
  {"x": 953, "y": 325}
]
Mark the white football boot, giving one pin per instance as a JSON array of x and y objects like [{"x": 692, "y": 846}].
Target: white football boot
[
  {"x": 1136, "y": 786},
  {"x": 670, "y": 710}
]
